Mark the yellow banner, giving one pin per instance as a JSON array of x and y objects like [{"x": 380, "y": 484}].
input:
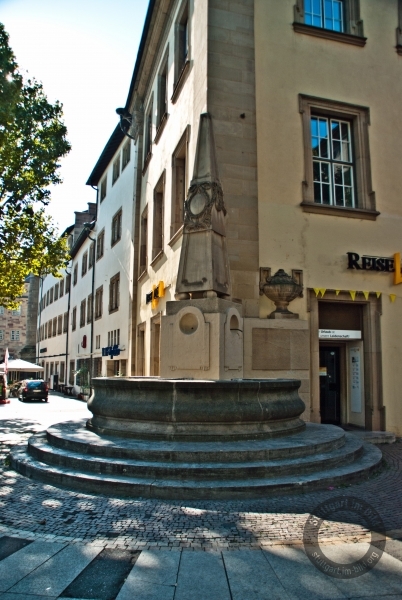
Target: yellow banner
[
  {"x": 353, "y": 294},
  {"x": 317, "y": 291},
  {"x": 366, "y": 295},
  {"x": 323, "y": 290}
]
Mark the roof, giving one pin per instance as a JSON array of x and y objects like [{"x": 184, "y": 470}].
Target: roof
[
  {"x": 81, "y": 239},
  {"x": 117, "y": 136},
  {"x": 108, "y": 152}
]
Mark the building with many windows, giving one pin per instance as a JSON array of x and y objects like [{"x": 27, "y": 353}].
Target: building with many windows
[{"x": 302, "y": 97}]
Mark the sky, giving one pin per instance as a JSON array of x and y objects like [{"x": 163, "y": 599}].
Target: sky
[{"x": 83, "y": 51}]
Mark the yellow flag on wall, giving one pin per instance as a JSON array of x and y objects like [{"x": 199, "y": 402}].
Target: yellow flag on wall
[
  {"x": 392, "y": 297},
  {"x": 353, "y": 294},
  {"x": 317, "y": 291},
  {"x": 378, "y": 294},
  {"x": 322, "y": 290},
  {"x": 337, "y": 292},
  {"x": 366, "y": 295}
]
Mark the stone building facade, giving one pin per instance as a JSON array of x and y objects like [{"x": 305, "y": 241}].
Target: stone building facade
[{"x": 303, "y": 101}]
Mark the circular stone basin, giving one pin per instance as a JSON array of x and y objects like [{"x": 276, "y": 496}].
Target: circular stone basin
[{"x": 195, "y": 409}]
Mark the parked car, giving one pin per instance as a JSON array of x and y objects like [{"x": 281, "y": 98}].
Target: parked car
[{"x": 33, "y": 389}]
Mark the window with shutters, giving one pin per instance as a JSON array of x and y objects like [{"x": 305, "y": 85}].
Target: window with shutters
[
  {"x": 116, "y": 227},
  {"x": 114, "y": 293},
  {"x": 82, "y": 312},
  {"x": 100, "y": 242},
  {"x": 99, "y": 302},
  {"x": 126, "y": 154},
  {"x": 158, "y": 212}
]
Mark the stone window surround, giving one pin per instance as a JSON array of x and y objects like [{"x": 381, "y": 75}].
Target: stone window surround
[
  {"x": 162, "y": 114},
  {"x": 354, "y": 25},
  {"x": 143, "y": 254},
  {"x": 116, "y": 227},
  {"x": 148, "y": 129},
  {"x": 100, "y": 244},
  {"x": 99, "y": 302},
  {"x": 159, "y": 190},
  {"x": 116, "y": 169},
  {"x": 181, "y": 68},
  {"x": 175, "y": 225},
  {"x": 371, "y": 334},
  {"x": 114, "y": 293},
  {"x": 103, "y": 188},
  {"x": 359, "y": 117}
]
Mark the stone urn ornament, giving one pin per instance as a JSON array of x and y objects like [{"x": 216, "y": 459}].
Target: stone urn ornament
[{"x": 281, "y": 288}]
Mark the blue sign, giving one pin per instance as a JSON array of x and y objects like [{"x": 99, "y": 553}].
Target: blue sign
[{"x": 111, "y": 351}]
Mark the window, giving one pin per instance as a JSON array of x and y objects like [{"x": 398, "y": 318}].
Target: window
[
  {"x": 51, "y": 296},
  {"x": 337, "y": 159},
  {"x": 16, "y": 312},
  {"x": 75, "y": 275},
  {"x": 65, "y": 322},
  {"x": 91, "y": 258},
  {"x": 114, "y": 293},
  {"x": 99, "y": 302},
  {"x": 61, "y": 288},
  {"x": 15, "y": 335},
  {"x": 47, "y": 298},
  {"x": 182, "y": 49},
  {"x": 1, "y": 335},
  {"x": 162, "y": 112},
  {"x": 56, "y": 291},
  {"x": 179, "y": 183},
  {"x": 147, "y": 138},
  {"x": 113, "y": 337},
  {"x": 333, "y": 19},
  {"x": 97, "y": 367},
  {"x": 59, "y": 324},
  {"x": 103, "y": 189},
  {"x": 82, "y": 312},
  {"x": 71, "y": 374},
  {"x": 62, "y": 367},
  {"x": 89, "y": 308},
  {"x": 55, "y": 327},
  {"x": 84, "y": 264},
  {"x": 126, "y": 155},
  {"x": 157, "y": 232},
  {"x": 116, "y": 170},
  {"x": 116, "y": 227},
  {"x": 143, "y": 241},
  {"x": 68, "y": 283},
  {"x": 325, "y": 13},
  {"x": 74, "y": 319},
  {"x": 100, "y": 244},
  {"x": 97, "y": 342},
  {"x": 1, "y": 310}
]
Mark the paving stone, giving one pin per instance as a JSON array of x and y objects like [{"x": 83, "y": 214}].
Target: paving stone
[
  {"x": 251, "y": 576},
  {"x": 153, "y": 577},
  {"x": 19, "y": 565},
  {"x": 201, "y": 576},
  {"x": 51, "y": 578},
  {"x": 298, "y": 576}
]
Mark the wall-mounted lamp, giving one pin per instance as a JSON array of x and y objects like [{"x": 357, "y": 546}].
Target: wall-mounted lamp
[{"x": 126, "y": 121}]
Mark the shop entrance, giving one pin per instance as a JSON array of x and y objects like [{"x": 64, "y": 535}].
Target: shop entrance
[{"x": 330, "y": 385}]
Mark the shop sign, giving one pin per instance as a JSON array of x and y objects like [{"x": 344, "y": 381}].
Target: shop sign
[
  {"x": 339, "y": 334},
  {"x": 111, "y": 351},
  {"x": 377, "y": 263}
]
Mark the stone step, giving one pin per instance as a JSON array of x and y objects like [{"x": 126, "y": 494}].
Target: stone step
[
  {"x": 75, "y": 437},
  {"x": 122, "y": 485},
  {"x": 40, "y": 450}
]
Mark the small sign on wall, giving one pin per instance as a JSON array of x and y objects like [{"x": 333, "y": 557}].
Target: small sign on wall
[
  {"x": 355, "y": 380},
  {"x": 339, "y": 334}
]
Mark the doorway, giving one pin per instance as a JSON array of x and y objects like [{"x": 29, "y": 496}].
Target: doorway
[{"x": 330, "y": 384}]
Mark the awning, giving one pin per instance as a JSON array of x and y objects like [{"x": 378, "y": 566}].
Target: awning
[{"x": 21, "y": 365}]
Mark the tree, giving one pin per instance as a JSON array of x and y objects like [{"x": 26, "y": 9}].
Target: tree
[{"x": 32, "y": 141}]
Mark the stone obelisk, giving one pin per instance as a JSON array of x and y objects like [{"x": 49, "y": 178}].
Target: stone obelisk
[{"x": 204, "y": 266}]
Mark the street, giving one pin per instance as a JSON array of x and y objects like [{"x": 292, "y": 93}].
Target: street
[{"x": 58, "y": 543}]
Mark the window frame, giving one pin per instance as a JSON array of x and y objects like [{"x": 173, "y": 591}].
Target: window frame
[
  {"x": 148, "y": 135},
  {"x": 99, "y": 302},
  {"x": 143, "y": 254},
  {"x": 182, "y": 60},
  {"x": 75, "y": 274},
  {"x": 359, "y": 118},
  {"x": 89, "y": 308},
  {"x": 117, "y": 221},
  {"x": 114, "y": 293},
  {"x": 83, "y": 308},
  {"x": 100, "y": 244},
  {"x": 126, "y": 155},
  {"x": 177, "y": 206},
  {"x": 162, "y": 97},
  {"x": 103, "y": 189},
  {"x": 91, "y": 255},
  {"x": 84, "y": 263},
  {"x": 116, "y": 169},
  {"x": 353, "y": 33},
  {"x": 74, "y": 319},
  {"x": 158, "y": 221},
  {"x": 15, "y": 335}
]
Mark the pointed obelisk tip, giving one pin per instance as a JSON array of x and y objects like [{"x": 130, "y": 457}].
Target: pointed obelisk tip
[{"x": 205, "y": 164}]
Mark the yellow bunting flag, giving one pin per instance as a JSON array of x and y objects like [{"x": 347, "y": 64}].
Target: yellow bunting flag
[
  {"x": 317, "y": 291},
  {"x": 366, "y": 295},
  {"x": 392, "y": 297},
  {"x": 337, "y": 292},
  {"x": 378, "y": 294},
  {"x": 322, "y": 290},
  {"x": 353, "y": 294}
]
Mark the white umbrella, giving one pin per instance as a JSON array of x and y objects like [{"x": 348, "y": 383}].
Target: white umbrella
[{"x": 21, "y": 365}]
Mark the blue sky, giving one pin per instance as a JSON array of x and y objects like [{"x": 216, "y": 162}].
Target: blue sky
[{"x": 84, "y": 53}]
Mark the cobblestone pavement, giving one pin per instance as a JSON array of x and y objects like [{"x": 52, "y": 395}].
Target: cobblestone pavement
[{"x": 38, "y": 511}]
